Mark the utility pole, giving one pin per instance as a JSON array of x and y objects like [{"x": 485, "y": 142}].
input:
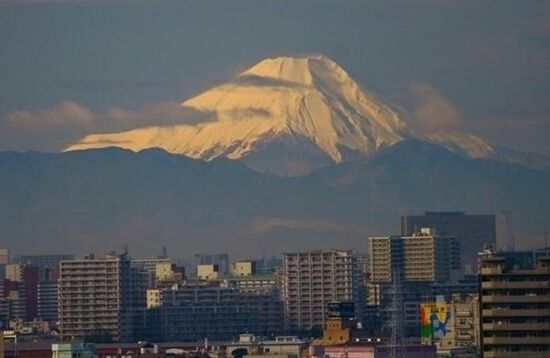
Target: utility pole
[{"x": 397, "y": 327}]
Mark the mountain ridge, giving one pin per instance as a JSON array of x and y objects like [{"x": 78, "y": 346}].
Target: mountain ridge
[{"x": 86, "y": 201}]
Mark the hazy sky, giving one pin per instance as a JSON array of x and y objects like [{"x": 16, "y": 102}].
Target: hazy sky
[{"x": 71, "y": 67}]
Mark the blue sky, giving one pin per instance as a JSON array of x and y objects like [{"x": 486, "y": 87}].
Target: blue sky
[{"x": 64, "y": 64}]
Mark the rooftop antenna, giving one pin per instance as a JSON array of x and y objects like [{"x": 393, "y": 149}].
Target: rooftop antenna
[
  {"x": 164, "y": 252},
  {"x": 125, "y": 248}
]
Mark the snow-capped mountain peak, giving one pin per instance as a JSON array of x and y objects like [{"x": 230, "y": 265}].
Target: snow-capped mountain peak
[{"x": 284, "y": 115}]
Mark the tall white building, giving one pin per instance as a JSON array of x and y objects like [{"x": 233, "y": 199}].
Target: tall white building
[
  {"x": 95, "y": 298},
  {"x": 311, "y": 280}
]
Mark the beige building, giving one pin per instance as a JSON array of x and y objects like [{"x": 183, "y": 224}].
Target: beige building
[
  {"x": 95, "y": 298},
  {"x": 153, "y": 298},
  {"x": 14, "y": 272},
  {"x": 208, "y": 272},
  {"x": 168, "y": 272},
  {"x": 457, "y": 324},
  {"x": 515, "y": 305},
  {"x": 4, "y": 256},
  {"x": 422, "y": 257},
  {"x": 244, "y": 268},
  {"x": 313, "y": 279}
]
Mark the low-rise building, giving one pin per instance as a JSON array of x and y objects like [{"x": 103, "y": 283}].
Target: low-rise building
[{"x": 213, "y": 310}]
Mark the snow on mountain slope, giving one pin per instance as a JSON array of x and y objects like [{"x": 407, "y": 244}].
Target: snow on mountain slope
[{"x": 308, "y": 106}]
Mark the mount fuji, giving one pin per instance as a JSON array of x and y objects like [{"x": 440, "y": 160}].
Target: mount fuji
[{"x": 287, "y": 116}]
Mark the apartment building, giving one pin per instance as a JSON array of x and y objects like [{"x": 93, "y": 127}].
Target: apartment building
[
  {"x": 47, "y": 301},
  {"x": 213, "y": 310},
  {"x": 515, "y": 305},
  {"x": 421, "y": 257},
  {"x": 95, "y": 298},
  {"x": 311, "y": 280},
  {"x": 472, "y": 231}
]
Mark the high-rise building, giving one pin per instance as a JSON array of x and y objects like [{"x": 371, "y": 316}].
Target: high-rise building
[
  {"x": 312, "y": 280},
  {"x": 473, "y": 231},
  {"x": 47, "y": 301},
  {"x": 505, "y": 240},
  {"x": 515, "y": 305},
  {"x": 27, "y": 278},
  {"x": 95, "y": 298},
  {"x": 422, "y": 257}
]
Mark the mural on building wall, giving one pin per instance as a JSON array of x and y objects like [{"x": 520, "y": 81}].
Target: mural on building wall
[{"x": 433, "y": 320}]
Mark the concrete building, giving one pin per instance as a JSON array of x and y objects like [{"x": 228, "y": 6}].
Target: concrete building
[
  {"x": 422, "y": 257},
  {"x": 73, "y": 350},
  {"x": 254, "y": 283},
  {"x": 473, "y": 231},
  {"x": 505, "y": 236},
  {"x": 210, "y": 309},
  {"x": 47, "y": 301},
  {"x": 95, "y": 298},
  {"x": 279, "y": 347},
  {"x": 208, "y": 272},
  {"x": 244, "y": 268},
  {"x": 4, "y": 256},
  {"x": 222, "y": 260},
  {"x": 313, "y": 279},
  {"x": 43, "y": 261},
  {"x": 150, "y": 265},
  {"x": 15, "y": 300},
  {"x": 450, "y": 324},
  {"x": 515, "y": 305}
]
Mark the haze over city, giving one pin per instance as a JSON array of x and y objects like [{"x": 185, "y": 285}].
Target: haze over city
[{"x": 274, "y": 179}]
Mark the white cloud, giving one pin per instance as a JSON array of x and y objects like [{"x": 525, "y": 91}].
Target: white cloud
[
  {"x": 433, "y": 112},
  {"x": 55, "y": 128}
]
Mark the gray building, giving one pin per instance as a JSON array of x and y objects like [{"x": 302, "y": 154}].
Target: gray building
[
  {"x": 46, "y": 294},
  {"x": 473, "y": 231},
  {"x": 213, "y": 310},
  {"x": 95, "y": 298},
  {"x": 311, "y": 280},
  {"x": 515, "y": 305},
  {"x": 43, "y": 261}
]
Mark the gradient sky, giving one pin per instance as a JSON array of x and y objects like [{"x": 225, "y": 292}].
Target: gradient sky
[{"x": 72, "y": 67}]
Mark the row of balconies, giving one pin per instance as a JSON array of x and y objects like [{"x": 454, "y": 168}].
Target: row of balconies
[
  {"x": 516, "y": 312},
  {"x": 515, "y": 284},
  {"x": 529, "y": 326},
  {"x": 516, "y": 298},
  {"x": 517, "y": 340},
  {"x": 517, "y": 354}
]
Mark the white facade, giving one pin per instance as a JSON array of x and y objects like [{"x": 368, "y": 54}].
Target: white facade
[{"x": 313, "y": 279}]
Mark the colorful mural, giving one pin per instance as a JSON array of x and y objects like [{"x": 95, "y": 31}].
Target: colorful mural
[{"x": 433, "y": 320}]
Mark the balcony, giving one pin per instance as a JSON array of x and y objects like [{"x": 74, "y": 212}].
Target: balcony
[
  {"x": 514, "y": 284},
  {"x": 516, "y": 326},
  {"x": 516, "y": 298},
  {"x": 522, "y": 354},
  {"x": 515, "y": 312},
  {"x": 516, "y": 340}
]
